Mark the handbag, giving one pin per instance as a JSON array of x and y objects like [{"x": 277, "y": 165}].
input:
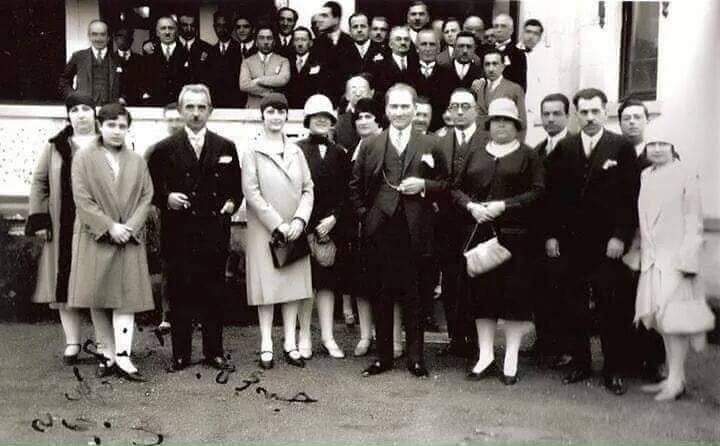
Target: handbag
[
  {"x": 686, "y": 317},
  {"x": 485, "y": 256},
  {"x": 323, "y": 250},
  {"x": 286, "y": 252}
]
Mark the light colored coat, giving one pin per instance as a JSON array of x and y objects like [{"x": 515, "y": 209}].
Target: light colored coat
[
  {"x": 104, "y": 274},
  {"x": 671, "y": 237},
  {"x": 505, "y": 89},
  {"x": 259, "y": 79},
  {"x": 45, "y": 199},
  {"x": 276, "y": 191}
]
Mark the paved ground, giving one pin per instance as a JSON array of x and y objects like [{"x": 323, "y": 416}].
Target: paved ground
[{"x": 45, "y": 403}]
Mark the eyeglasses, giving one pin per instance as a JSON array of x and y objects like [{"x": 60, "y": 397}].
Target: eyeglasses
[{"x": 455, "y": 106}]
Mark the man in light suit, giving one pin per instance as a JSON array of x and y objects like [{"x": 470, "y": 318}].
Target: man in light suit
[
  {"x": 593, "y": 184},
  {"x": 494, "y": 86},
  {"x": 394, "y": 177},
  {"x": 196, "y": 175},
  {"x": 94, "y": 70},
  {"x": 308, "y": 74},
  {"x": 264, "y": 72}
]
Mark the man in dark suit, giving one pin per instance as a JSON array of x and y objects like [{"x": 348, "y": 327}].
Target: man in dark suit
[
  {"x": 400, "y": 65},
  {"x": 550, "y": 345},
  {"x": 394, "y": 177},
  {"x": 308, "y": 74},
  {"x": 418, "y": 17},
  {"x": 431, "y": 79},
  {"x": 167, "y": 68},
  {"x": 244, "y": 33},
  {"x": 130, "y": 69},
  {"x": 514, "y": 58},
  {"x": 286, "y": 20},
  {"x": 335, "y": 49},
  {"x": 357, "y": 87},
  {"x": 196, "y": 175},
  {"x": 379, "y": 31},
  {"x": 463, "y": 72},
  {"x": 93, "y": 70},
  {"x": 366, "y": 51},
  {"x": 456, "y": 147},
  {"x": 224, "y": 65},
  {"x": 593, "y": 184},
  {"x": 197, "y": 49}
]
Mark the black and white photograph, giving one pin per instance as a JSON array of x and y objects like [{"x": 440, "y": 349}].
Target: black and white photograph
[{"x": 359, "y": 222}]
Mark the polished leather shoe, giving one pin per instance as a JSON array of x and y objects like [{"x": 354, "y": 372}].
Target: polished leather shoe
[
  {"x": 219, "y": 363},
  {"x": 130, "y": 376},
  {"x": 418, "y": 369},
  {"x": 375, "y": 368},
  {"x": 179, "y": 364},
  {"x": 615, "y": 384},
  {"x": 576, "y": 375},
  {"x": 266, "y": 364},
  {"x": 508, "y": 380},
  {"x": 297, "y": 362},
  {"x": 490, "y": 370}
]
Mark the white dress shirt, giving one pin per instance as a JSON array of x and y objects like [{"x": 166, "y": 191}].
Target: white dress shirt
[
  {"x": 639, "y": 147},
  {"x": 461, "y": 69},
  {"x": 168, "y": 49},
  {"x": 363, "y": 48},
  {"x": 427, "y": 68},
  {"x": 124, "y": 55},
  {"x": 187, "y": 43},
  {"x": 100, "y": 54},
  {"x": 463, "y": 136},
  {"x": 400, "y": 61},
  {"x": 197, "y": 140},
  {"x": 400, "y": 138},
  {"x": 300, "y": 61},
  {"x": 590, "y": 142},
  {"x": 494, "y": 84},
  {"x": 224, "y": 46},
  {"x": 553, "y": 140}
]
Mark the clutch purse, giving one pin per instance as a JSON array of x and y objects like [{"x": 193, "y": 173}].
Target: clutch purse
[
  {"x": 687, "y": 317},
  {"x": 485, "y": 256},
  {"x": 285, "y": 252},
  {"x": 322, "y": 250}
]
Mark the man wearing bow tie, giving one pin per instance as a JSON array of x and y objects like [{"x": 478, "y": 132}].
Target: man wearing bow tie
[
  {"x": 514, "y": 58},
  {"x": 593, "y": 183},
  {"x": 93, "y": 70},
  {"x": 395, "y": 177},
  {"x": 196, "y": 175}
]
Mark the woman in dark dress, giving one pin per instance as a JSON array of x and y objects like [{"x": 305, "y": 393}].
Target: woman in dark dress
[
  {"x": 330, "y": 170},
  {"x": 497, "y": 189}
]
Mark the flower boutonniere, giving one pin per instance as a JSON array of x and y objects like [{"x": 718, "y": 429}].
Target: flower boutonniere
[
  {"x": 609, "y": 164},
  {"x": 378, "y": 57}
]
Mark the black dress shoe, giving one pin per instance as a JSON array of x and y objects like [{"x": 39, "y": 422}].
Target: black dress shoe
[
  {"x": 615, "y": 384},
  {"x": 375, "y": 368},
  {"x": 651, "y": 374},
  {"x": 508, "y": 380},
  {"x": 418, "y": 369},
  {"x": 292, "y": 361},
  {"x": 576, "y": 375},
  {"x": 103, "y": 369},
  {"x": 179, "y": 364},
  {"x": 219, "y": 363},
  {"x": 562, "y": 361},
  {"x": 490, "y": 370},
  {"x": 130, "y": 376}
]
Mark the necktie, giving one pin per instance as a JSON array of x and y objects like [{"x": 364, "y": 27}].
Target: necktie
[
  {"x": 463, "y": 70},
  {"x": 403, "y": 65},
  {"x": 299, "y": 64},
  {"x": 195, "y": 142},
  {"x": 398, "y": 144},
  {"x": 222, "y": 49},
  {"x": 98, "y": 55},
  {"x": 427, "y": 71},
  {"x": 462, "y": 138},
  {"x": 167, "y": 52}
]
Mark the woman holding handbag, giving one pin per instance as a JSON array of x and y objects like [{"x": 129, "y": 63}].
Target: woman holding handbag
[
  {"x": 670, "y": 297},
  {"x": 497, "y": 188},
  {"x": 278, "y": 190},
  {"x": 330, "y": 170}
]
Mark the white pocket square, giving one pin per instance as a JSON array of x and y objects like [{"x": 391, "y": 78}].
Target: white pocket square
[
  {"x": 429, "y": 160},
  {"x": 118, "y": 70},
  {"x": 225, "y": 159},
  {"x": 608, "y": 164},
  {"x": 377, "y": 57},
  {"x": 315, "y": 69}
]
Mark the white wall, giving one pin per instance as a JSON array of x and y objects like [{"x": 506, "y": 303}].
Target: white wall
[{"x": 78, "y": 13}]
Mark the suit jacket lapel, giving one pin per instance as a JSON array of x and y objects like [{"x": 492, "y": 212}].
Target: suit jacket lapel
[
  {"x": 410, "y": 152},
  {"x": 186, "y": 151},
  {"x": 208, "y": 156},
  {"x": 88, "y": 66}
]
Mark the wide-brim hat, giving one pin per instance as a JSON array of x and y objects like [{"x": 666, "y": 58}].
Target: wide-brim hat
[
  {"x": 503, "y": 108},
  {"x": 318, "y": 104}
]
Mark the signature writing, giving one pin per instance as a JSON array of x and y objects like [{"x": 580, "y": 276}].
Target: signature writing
[{"x": 44, "y": 424}]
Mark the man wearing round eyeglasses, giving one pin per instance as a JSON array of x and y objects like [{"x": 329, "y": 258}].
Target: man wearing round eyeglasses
[
  {"x": 396, "y": 178},
  {"x": 456, "y": 147}
]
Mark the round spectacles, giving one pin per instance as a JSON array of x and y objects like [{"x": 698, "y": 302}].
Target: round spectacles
[{"x": 464, "y": 106}]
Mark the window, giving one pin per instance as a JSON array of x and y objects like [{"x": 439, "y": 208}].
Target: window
[
  {"x": 32, "y": 50},
  {"x": 639, "y": 52}
]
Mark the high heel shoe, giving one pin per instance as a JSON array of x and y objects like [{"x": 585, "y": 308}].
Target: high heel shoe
[
  {"x": 266, "y": 364},
  {"x": 669, "y": 394},
  {"x": 130, "y": 376},
  {"x": 490, "y": 370},
  {"x": 297, "y": 362},
  {"x": 362, "y": 348},
  {"x": 72, "y": 358},
  {"x": 654, "y": 388},
  {"x": 333, "y": 350},
  {"x": 508, "y": 380},
  {"x": 305, "y": 352}
]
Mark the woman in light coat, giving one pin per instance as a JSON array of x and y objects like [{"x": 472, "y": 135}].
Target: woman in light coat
[
  {"x": 51, "y": 215},
  {"x": 113, "y": 192},
  {"x": 670, "y": 296},
  {"x": 278, "y": 191}
]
